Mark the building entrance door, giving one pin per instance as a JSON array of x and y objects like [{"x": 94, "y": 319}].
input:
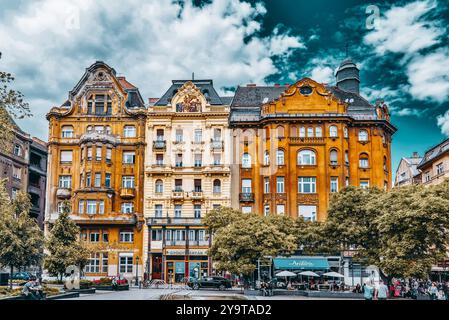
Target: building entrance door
[{"x": 156, "y": 266}]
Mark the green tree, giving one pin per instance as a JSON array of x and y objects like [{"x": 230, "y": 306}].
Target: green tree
[
  {"x": 21, "y": 240},
  {"x": 351, "y": 224},
  {"x": 12, "y": 104},
  {"x": 413, "y": 224},
  {"x": 63, "y": 245},
  {"x": 239, "y": 242}
]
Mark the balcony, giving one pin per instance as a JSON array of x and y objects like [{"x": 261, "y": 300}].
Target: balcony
[
  {"x": 171, "y": 221},
  {"x": 159, "y": 145},
  {"x": 246, "y": 197},
  {"x": 177, "y": 194},
  {"x": 175, "y": 243},
  {"x": 216, "y": 145},
  {"x": 99, "y": 136},
  {"x": 198, "y": 243},
  {"x": 64, "y": 193},
  {"x": 197, "y": 195},
  {"x": 127, "y": 193}
]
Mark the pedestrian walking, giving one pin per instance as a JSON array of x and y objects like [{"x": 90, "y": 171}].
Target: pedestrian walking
[
  {"x": 433, "y": 291},
  {"x": 382, "y": 291},
  {"x": 368, "y": 290}
]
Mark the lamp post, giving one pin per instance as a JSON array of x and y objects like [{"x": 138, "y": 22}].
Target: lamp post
[{"x": 137, "y": 271}]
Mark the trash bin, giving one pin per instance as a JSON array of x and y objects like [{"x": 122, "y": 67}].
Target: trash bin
[{"x": 4, "y": 279}]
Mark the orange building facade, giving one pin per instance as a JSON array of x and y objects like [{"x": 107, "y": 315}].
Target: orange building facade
[
  {"x": 96, "y": 161},
  {"x": 294, "y": 146}
]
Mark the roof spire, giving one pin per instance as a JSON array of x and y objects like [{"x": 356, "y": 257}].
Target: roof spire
[{"x": 193, "y": 76}]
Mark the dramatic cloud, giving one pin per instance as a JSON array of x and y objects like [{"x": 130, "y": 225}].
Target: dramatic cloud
[
  {"x": 404, "y": 29},
  {"x": 47, "y": 44},
  {"x": 443, "y": 123},
  {"x": 429, "y": 76}
]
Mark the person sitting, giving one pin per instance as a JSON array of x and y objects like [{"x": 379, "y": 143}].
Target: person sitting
[{"x": 32, "y": 290}]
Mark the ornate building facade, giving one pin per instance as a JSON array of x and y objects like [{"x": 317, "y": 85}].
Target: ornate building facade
[
  {"x": 187, "y": 174},
  {"x": 296, "y": 145},
  {"x": 96, "y": 160}
]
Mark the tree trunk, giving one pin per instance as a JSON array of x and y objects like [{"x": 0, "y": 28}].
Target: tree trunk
[{"x": 10, "y": 276}]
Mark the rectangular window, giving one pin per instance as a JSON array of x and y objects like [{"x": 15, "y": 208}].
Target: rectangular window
[
  {"x": 105, "y": 236},
  {"x": 198, "y": 160},
  {"x": 17, "y": 173},
  {"x": 93, "y": 264},
  {"x": 126, "y": 236},
  {"x": 129, "y": 157},
  {"x": 178, "y": 211},
  {"x": 104, "y": 262},
  {"x": 197, "y": 211},
  {"x": 129, "y": 132},
  {"x": 246, "y": 186},
  {"x": 280, "y": 209},
  {"x": 91, "y": 207},
  {"x": 178, "y": 160},
  {"x": 108, "y": 154},
  {"x": 334, "y": 184},
  {"x": 107, "y": 180},
  {"x": 302, "y": 132},
  {"x": 179, "y": 135},
  {"x": 94, "y": 236},
  {"x": 89, "y": 153},
  {"x": 88, "y": 179},
  {"x": 81, "y": 207},
  {"x": 217, "y": 159},
  {"x": 65, "y": 182},
  {"x": 127, "y": 207},
  {"x": 310, "y": 132},
  {"x": 308, "y": 213},
  {"x": 198, "y": 135},
  {"x": 247, "y": 209},
  {"x": 126, "y": 263},
  {"x": 156, "y": 235},
  {"x": 128, "y": 182},
  {"x": 364, "y": 184},
  {"x": 440, "y": 168},
  {"x": 158, "y": 210},
  {"x": 98, "y": 153},
  {"x": 266, "y": 184},
  {"x": 66, "y": 156},
  {"x": 101, "y": 207},
  {"x": 280, "y": 185},
  {"x": 306, "y": 184},
  {"x": 97, "y": 181},
  {"x": 159, "y": 159}
]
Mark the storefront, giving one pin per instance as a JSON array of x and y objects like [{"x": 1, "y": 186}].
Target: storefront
[
  {"x": 300, "y": 263},
  {"x": 178, "y": 266}
]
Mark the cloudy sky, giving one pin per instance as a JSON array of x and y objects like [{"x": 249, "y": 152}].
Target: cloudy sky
[{"x": 401, "y": 47}]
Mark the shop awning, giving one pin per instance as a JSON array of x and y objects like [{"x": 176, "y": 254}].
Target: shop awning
[{"x": 309, "y": 263}]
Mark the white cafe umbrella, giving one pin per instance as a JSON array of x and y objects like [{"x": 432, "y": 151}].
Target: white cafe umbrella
[
  {"x": 285, "y": 274},
  {"x": 333, "y": 274},
  {"x": 309, "y": 274}
]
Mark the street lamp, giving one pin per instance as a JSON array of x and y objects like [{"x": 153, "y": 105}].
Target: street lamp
[{"x": 137, "y": 271}]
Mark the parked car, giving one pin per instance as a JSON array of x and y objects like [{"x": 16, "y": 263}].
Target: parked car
[
  {"x": 210, "y": 282},
  {"x": 21, "y": 276}
]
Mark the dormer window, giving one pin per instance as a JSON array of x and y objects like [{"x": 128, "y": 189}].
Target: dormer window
[{"x": 17, "y": 150}]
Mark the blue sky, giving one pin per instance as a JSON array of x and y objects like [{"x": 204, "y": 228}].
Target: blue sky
[{"x": 403, "y": 52}]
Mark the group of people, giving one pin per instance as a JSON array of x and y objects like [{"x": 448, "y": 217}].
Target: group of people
[
  {"x": 411, "y": 288},
  {"x": 33, "y": 290}
]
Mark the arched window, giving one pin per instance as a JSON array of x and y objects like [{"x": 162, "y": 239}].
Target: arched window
[
  {"x": 333, "y": 131},
  {"x": 246, "y": 160},
  {"x": 89, "y": 129},
  {"x": 334, "y": 157},
  {"x": 363, "y": 135},
  {"x": 347, "y": 157},
  {"x": 159, "y": 186},
  {"x": 306, "y": 157},
  {"x": 217, "y": 186},
  {"x": 266, "y": 158},
  {"x": 99, "y": 104},
  {"x": 217, "y": 134},
  {"x": 302, "y": 132},
  {"x": 310, "y": 132},
  {"x": 385, "y": 164},
  {"x": 67, "y": 132},
  {"x": 345, "y": 132},
  {"x": 319, "y": 132},
  {"x": 280, "y": 157},
  {"x": 363, "y": 160},
  {"x": 280, "y": 131}
]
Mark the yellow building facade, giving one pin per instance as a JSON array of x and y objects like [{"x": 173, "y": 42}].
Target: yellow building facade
[
  {"x": 293, "y": 146},
  {"x": 187, "y": 174},
  {"x": 96, "y": 160}
]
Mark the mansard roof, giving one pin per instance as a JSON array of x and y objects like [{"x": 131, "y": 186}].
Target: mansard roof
[
  {"x": 434, "y": 152},
  {"x": 248, "y": 101},
  {"x": 206, "y": 86}
]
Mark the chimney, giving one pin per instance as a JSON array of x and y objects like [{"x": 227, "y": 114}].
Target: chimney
[{"x": 415, "y": 155}]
